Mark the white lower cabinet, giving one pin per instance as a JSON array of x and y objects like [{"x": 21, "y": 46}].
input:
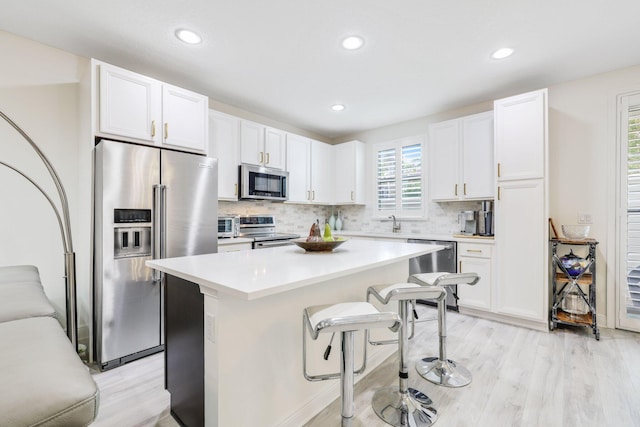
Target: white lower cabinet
[
  {"x": 521, "y": 250},
  {"x": 476, "y": 258}
]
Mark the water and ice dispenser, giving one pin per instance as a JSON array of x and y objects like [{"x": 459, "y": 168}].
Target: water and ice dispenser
[{"x": 132, "y": 233}]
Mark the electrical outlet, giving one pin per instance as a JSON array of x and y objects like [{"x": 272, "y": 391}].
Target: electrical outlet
[
  {"x": 210, "y": 327},
  {"x": 584, "y": 218}
]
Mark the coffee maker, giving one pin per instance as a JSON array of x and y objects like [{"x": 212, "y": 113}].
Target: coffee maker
[
  {"x": 468, "y": 221},
  {"x": 485, "y": 219}
]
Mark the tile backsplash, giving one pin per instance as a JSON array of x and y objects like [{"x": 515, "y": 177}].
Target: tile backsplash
[{"x": 442, "y": 218}]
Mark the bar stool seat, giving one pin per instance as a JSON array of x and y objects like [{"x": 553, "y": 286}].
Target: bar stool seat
[
  {"x": 404, "y": 406},
  {"x": 440, "y": 370},
  {"x": 346, "y": 318}
]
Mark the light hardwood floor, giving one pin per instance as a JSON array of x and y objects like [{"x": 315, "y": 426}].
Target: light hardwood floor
[{"x": 520, "y": 378}]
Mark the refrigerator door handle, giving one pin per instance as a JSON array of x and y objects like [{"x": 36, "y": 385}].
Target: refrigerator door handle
[
  {"x": 163, "y": 221},
  {"x": 158, "y": 235}
]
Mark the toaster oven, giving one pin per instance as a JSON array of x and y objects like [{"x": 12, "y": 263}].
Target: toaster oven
[{"x": 228, "y": 226}]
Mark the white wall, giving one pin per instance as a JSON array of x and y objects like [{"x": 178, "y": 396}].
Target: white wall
[
  {"x": 582, "y": 145},
  {"x": 38, "y": 90}
]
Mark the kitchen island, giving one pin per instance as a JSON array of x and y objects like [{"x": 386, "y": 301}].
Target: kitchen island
[{"x": 234, "y": 328}]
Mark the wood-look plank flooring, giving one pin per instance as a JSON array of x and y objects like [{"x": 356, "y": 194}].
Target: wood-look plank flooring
[{"x": 520, "y": 378}]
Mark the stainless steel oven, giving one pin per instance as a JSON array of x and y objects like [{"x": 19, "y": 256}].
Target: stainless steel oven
[{"x": 262, "y": 229}]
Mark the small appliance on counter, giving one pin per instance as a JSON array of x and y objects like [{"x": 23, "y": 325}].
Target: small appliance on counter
[
  {"x": 485, "y": 219},
  {"x": 468, "y": 221},
  {"x": 228, "y": 226}
]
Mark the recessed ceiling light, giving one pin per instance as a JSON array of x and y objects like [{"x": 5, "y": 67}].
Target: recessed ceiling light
[
  {"x": 502, "y": 53},
  {"x": 352, "y": 42},
  {"x": 337, "y": 107},
  {"x": 188, "y": 36}
]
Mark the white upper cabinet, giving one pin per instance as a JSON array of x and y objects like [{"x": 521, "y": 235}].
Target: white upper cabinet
[
  {"x": 349, "y": 173},
  {"x": 521, "y": 152},
  {"x": 478, "y": 179},
  {"x": 275, "y": 147},
  {"x": 139, "y": 108},
  {"x": 184, "y": 116},
  {"x": 298, "y": 160},
  {"x": 130, "y": 104},
  {"x": 321, "y": 173},
  {"x": 224, "y": 144},
  {"x": 461, "y": 158},
  {"x": 261, "y": 145},
  {"x": 444, "y": 160},
  {"x": 310, "y": 167}
]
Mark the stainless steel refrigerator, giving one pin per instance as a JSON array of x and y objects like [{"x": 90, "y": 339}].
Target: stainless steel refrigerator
[{"x": 149, "y": 203}]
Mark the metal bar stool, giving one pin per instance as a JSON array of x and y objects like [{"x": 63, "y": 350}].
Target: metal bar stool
[
  {"x": 346, "y": 318},
  {"x": 402, "y": 405},
  {"x": 440, "y": 370}
]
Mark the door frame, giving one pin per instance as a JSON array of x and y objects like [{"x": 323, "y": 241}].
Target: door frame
[{"x": 615, "y": 300}]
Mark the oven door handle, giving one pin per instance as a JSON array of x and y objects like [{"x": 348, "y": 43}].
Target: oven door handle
[{"x": 272, "y": 244}]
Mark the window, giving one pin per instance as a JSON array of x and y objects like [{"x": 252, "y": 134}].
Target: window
[{"x": 399, "y": 178}]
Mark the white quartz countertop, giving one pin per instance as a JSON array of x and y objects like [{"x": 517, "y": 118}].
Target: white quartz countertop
[
  {"x": 405, "y": 236},
  {"x": 259, "y": 273}
]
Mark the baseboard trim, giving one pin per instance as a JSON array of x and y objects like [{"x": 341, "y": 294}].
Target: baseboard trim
[{"x": 510, "y": 320}]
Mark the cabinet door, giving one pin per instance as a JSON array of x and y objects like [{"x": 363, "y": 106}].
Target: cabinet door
[
  {"x": 478, "y": 179},
  {"x": 479, "y": 295},
  {"x": 185, "y": 117},
  {"x": 321, "y": 165},
  {"x": 521, "y": 250},
  {"x": 224, "y": 133},
  {"x": 443, "y": 161},
  {"x": 298, "y": 153},
  {"x": 129, "y": 104},
  {"x": 521, "y": 135},
  {"x": 349, "y": 173},
  {"x": 251, "y": 143},
  {"x": 274, "y": 148}
]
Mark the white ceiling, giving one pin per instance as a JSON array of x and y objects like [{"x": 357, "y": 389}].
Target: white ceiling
[{"x": 282, "y": 58}]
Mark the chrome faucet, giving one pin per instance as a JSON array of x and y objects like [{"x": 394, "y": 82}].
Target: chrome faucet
[{"x": 395, "y": 225}]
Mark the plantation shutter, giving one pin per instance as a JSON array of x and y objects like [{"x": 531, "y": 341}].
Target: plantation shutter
[
  {"x": 633, "y": 212},
  {"x": 399, "y": 173}
]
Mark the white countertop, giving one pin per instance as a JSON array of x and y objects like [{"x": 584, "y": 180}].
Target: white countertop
[
  {"x": 405, "y": 236},
  {"x": 255, "y": 274}
]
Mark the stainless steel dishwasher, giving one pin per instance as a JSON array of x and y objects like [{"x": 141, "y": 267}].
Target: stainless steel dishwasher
[{"x": 443, "y": 260}]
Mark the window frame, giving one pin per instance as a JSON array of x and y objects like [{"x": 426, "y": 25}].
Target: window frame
[{"x": 398, "y": 211}]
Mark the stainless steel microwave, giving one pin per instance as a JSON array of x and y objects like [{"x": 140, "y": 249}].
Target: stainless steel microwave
[{"x": 257, "y": 182}]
